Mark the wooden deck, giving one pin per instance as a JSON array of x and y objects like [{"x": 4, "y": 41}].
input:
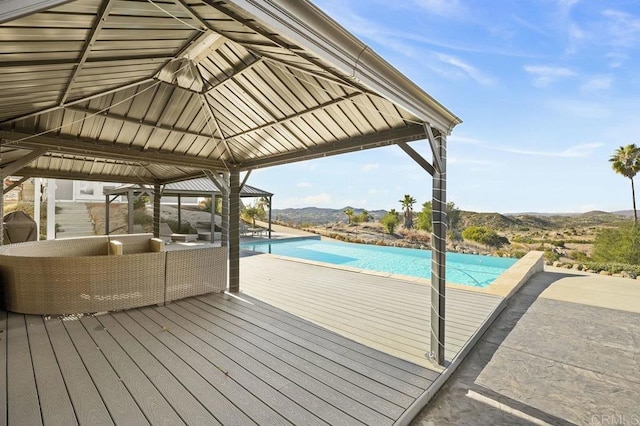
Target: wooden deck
[
  {"x": 390, "y": 315},
  {"x": 246, "y": 359}
]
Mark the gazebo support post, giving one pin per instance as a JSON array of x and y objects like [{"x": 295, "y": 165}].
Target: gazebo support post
[
  {"x": 106, "y": 214},
  {"x": 130, "y": 196},
  {"x": 179, "y": 213},
  {"x": 438, "y": 256},
  {"x": 214, "y": 203},
  {"x": 270, "y": 199},
  {"x": 234, "y": 231},
  {"x": 156, "y": 210}
]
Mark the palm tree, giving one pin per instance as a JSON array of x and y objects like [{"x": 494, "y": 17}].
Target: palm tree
[
  {"x": 407, "y": 206},
  {"x": 349, "y": 212},
  {"x": 626, "y": 161}
]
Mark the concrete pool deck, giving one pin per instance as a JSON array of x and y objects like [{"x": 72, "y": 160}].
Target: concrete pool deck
[{"x": 565, "y": 350}]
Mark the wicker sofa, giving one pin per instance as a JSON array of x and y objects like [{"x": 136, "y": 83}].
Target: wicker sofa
[{"x": 104, "y": 273}]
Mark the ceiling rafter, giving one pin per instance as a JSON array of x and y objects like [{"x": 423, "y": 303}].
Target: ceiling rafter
[
  {"x": 296, "y": 115},
  {"x": 99, "y": 177},
  {"x": 207, "y": 107},
  {"x": 139, "y": 122},
  {"x": 373, "y": 140},
  {"x": 106, "y": 149},
  {"x": 77, "y": 101},
  {"x": 236, "y": 72},
  {"x": 18, "y": 164},
  {"x": 256, "y": 28},
  {"x": 100, "y": 20}
]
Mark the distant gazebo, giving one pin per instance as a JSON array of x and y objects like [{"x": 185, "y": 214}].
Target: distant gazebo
[{"x": 199, "y": 187}]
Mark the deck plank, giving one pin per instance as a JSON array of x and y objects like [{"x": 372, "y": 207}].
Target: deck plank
[
  {"x": 205, "y": 392},
  {"x": 264, "y": 375},
  {"x": 23, "y": 405},
  {"x": 322, "y": 383},
  {"x": 116, "y": 396},
  {"x": 387, "y": 314},
  {"x": 292, "y": 342},
  {"x": 117, "y": 344},
  {"x": 404, "y": 370},
  {"x": 55, "y": 404},
  {"x": 85, "y": 398},
  {"x": 280, "y": 410}
]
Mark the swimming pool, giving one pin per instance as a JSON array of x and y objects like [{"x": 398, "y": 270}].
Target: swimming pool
[{"x": 466, "y": 269}]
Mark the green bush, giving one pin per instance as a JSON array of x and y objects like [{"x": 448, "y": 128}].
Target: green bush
[
  {"x": 484, "y": 235},
  {"x": 140, "y": 202},
  {"x": 140, "y": 217},
  {"x": 390, "y": 221},
  {"x": 551, "y": 256},
  {"x": 621, "y": 245},
  {"x": 612, "y": 267}
]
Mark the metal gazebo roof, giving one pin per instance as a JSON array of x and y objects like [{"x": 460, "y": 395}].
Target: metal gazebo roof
[
  {"x": 157, "y": 91},
  {"x": 200, "y": 187}
]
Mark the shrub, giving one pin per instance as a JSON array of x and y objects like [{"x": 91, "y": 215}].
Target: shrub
[
  {"x": 484, "y": 235},
  {"x": 620, "y": 245},
  {"x": 551, "y": 256},
  {"x": 141, "y": 217},
  {"x": 390, "y": 221},
  {"x": 141, "y": 202}
]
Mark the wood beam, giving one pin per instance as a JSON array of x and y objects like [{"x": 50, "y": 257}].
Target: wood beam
[
  {"x": 105, "y": 149},
  {"x": 357, "y": 143},
  {"x": 18, "y": 164},
  {"x": 245, "y": 179},
  {"x": 217, "y": 180},
  {"x": 140, "y": 122},
  {"x": 99, "y": 21}
]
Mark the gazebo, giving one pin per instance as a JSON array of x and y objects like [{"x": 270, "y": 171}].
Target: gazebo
[
  {"x": 156, "y": 92},
  {"x": 200, "y": 187}
]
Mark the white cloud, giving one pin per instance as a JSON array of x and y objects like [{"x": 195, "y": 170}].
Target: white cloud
[
  {"x": 581, "y": 109},
  {"x": 447, "y": 8},
  {"x": 462, "y": 68},
  {"x": 624, "y": 28},
  {"x": 576, "y": 151},
  {"x": 304, "y": 185},
  {"x": 319, "y": 199},
  {"x": 597, "y": 84},
  {"x": 544, "y": 75},
  {"x": 370, "y": 167}
]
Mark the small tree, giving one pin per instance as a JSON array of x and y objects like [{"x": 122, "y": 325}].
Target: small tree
[
  {"x": 252, "y": 213},
  {"x": 407, "y": 208},
  {"x": 454, "y": 216},
  {"x": 626, "y": 161},
  {"x": 350, "y": 213},
  {"x": 390, "y": 220},
  {"x": 364, "y": 216}
]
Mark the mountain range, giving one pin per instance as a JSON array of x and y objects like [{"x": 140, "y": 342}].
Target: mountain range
[{"x": 498, "y": 221}]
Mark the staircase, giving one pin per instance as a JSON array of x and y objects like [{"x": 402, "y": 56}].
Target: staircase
[{"x": 73, "y": 220}]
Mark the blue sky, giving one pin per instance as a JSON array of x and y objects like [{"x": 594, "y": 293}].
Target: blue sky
[{"x": 547, "y": 90}]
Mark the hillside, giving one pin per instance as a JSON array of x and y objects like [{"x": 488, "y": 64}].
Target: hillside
[
  {"x": 520, "y": 222},
  {"x": 318, "y": 216}
]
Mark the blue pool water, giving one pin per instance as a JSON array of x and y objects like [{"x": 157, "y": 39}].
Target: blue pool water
[{"x": 466, "y": 269}]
